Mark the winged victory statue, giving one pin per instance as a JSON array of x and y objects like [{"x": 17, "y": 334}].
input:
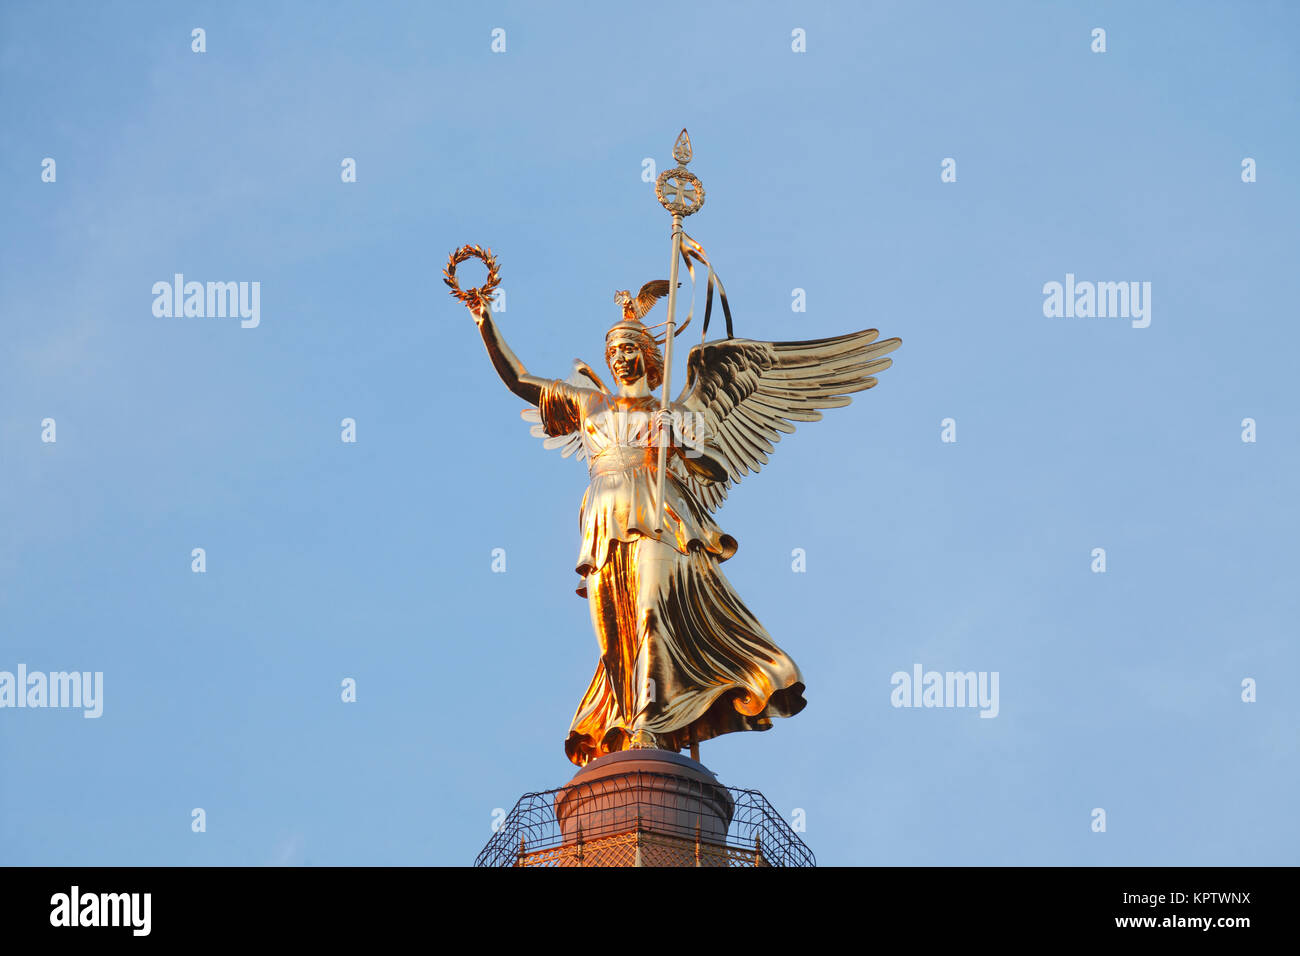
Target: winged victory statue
[{"x": 682, "y": 659}]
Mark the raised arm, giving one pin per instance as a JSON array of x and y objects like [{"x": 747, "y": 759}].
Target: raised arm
[{"x": 512, "y": 371}]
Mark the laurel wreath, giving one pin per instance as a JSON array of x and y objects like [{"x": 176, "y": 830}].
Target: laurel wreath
[
  {"x": 483, "y": 293},
  {"x": 675, "y": 206}
]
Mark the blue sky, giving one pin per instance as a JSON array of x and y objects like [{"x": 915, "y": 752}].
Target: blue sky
[{"x": 372, "y": 560}]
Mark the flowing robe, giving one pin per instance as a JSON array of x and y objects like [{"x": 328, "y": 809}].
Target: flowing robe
[{"x": 680, "y": 655}]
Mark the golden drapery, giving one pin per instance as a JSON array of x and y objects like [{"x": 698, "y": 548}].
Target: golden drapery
[{"x": 681, "y": 657}]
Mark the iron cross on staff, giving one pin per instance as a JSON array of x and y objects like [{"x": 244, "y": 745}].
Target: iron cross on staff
[{"x": 682, "y": 194}]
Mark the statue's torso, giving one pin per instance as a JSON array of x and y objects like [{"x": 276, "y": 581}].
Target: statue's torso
[
  {"x": 617, "y": 434},
  {"x": 623, "y": 461}
]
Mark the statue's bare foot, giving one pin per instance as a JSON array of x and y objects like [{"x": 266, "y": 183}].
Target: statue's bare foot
[{"x": 644, "y": 740}]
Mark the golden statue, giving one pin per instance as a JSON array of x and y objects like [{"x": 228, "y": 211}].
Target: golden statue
[
  {"x": 682, "y": 660},
  {"x": 681, "y": 657}
]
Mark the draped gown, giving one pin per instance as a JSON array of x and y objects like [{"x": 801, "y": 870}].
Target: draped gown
[{"x": 681, "y": 657}]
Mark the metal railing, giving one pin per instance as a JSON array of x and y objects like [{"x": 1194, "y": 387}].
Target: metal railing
[{"x": 643, "y": 818}]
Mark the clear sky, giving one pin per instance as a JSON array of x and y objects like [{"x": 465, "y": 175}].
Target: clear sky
[{"x": 372, "y": 560}]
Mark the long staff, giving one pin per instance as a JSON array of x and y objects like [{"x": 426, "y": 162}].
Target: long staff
[{"x": 681, "y": 193}]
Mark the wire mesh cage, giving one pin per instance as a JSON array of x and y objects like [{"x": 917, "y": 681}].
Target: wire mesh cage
[{"x": 642, "y": 818}]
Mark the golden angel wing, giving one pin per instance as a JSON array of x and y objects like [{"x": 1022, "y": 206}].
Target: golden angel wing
[{"x": 749, "y": 393}]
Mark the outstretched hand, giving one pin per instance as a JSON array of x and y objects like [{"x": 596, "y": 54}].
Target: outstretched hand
[{"x": 479, "y": 310}]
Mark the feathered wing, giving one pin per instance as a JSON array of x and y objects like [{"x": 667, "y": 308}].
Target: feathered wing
[
  {"x": 747, "y": 393},
  {"x": 650, "y": 293},
  {"x": 583, "y": 377}
]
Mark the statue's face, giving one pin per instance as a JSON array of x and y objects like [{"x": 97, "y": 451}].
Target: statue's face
[{"x": 625, "y": 361}]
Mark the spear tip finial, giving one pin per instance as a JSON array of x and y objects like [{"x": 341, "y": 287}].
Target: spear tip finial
[{"x": 682, "y": 148}]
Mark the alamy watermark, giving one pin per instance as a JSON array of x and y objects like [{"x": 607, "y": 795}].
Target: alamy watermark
[
  {"x": 75, "y": 908},
  {"x": 1102, "y": 300},
  {"x": 83, "y": 689},
  {"x": 689, "y": 430},
  {"x": 922, "y": 688},
  {"x": 212, "y": 300}
]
